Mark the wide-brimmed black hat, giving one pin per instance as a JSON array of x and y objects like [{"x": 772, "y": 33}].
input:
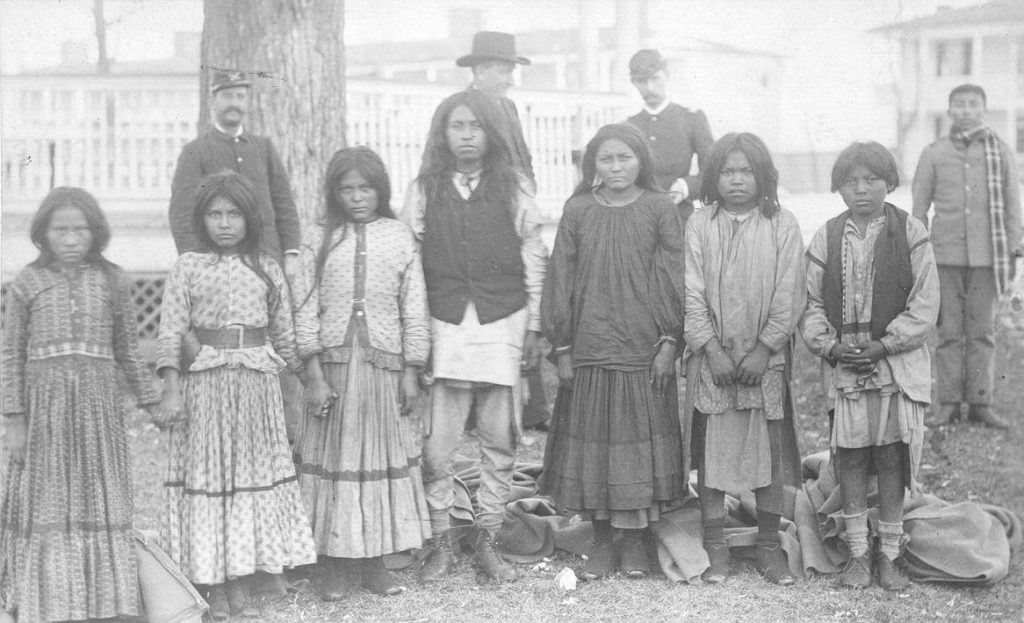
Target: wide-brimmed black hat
[
  {"x": 492, "y": 46},
  {"x": 228, "y": 78}
]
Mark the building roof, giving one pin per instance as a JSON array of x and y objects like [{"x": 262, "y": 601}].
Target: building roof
[
  {"x": 533, "y": 43},
  {"x": 994, "y": 11}
]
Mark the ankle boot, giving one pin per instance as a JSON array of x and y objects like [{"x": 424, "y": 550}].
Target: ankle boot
[
  {"x": 489, "y": 561},
  {"x": 376, "y": 578},
  {"x": 240, "y": 599},
  {"x": 342, "y": 581},
  {"x": 771, "y": 561},
  {"x": 601, "y": 560},
  {"x": 633, "y": 554},
  {"x": 220, "y": 609},
  {"x": 440, "y": 561}
]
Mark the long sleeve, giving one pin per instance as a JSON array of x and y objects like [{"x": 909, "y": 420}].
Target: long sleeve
[
  {"x": 666, "y": 285},
  {"x": 15, "y": 351},
  {"x": 280, "y": 319},
  {"x": 286, "y": 217},
  {"x": 187, "y": 174},
  {"x": 556, "y": 302},
  {"x": 175, "y": 318},
  {"x": 819, "y": 335},
  {"x": 414, "y": 209},
  {"x": 307, "y": 299},
  {"x": 535, "y": 256},
  {"x": 412, "y": 302},
  {"x": 1011, "y": 198},
  {"x": 698, "y": 326},
  {"x": 788, "y": 295},
  {"x": 911, "y": 328},
  {"x": 126, "y": 344},
  {"x": 923, "y": 187},
  {"x": 702, "y": 142}
]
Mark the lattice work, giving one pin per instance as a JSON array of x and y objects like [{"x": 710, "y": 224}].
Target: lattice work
[{"x": 147, "y": 291}]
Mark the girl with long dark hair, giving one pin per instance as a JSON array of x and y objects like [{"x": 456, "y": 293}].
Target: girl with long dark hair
[
  {"x": 232, "y": 504},
  {"x": 362, "y": 329}
]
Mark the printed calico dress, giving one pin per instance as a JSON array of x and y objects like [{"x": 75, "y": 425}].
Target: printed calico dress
[
  {"x": 614, "y": 289},
  {"x": 366, "y": 319},
  {"x": 232, "y": 501},
  {"x": 66, "y": 545}
]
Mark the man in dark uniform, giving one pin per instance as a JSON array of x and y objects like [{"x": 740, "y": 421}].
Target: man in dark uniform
[
  {"x": 675, "y": 133},
  {"x": 492, "y": 60}
]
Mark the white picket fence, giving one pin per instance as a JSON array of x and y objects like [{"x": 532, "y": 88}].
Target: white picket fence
[{"x": 61, "y": 127}]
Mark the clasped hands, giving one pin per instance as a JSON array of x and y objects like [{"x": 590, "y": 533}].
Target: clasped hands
[{"x": 862, "y": 356}]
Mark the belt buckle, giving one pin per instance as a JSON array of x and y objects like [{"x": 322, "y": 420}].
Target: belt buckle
[{"x": 240, "y": 333}]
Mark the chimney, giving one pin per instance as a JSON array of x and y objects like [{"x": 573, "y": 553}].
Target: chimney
[{"x": 463, "y": 24}]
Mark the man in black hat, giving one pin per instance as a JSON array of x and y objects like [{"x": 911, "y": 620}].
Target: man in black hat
[
  {"x": 228, "y": 146},
  {"x": 675, "y": 133},
  {"x": 492, "y": 60}
]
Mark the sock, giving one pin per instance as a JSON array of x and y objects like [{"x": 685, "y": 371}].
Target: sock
[
  {"x": 889, "y": 537},
  {"x": 856, "y": 535},
  {"x": 714, "y": 531},
  {"x": 439, "y": 522},
  {"x": 767, "y": 528}
]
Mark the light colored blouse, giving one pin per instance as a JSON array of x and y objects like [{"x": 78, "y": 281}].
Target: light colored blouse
[
  {"x": 371, "y": 289},
  {"x": 211, "y": 291}
]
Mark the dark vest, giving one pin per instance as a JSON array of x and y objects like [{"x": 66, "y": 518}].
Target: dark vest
[
  {"x": 893, "y": 276},
  {"x": 471, "y": 252}
]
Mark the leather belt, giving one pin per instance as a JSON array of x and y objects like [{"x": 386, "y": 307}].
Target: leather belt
[{"x": 233, "y": 337}]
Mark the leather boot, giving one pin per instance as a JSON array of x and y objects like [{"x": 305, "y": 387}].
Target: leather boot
[
  {"x": 376, "y": 578},
  {"x": 342, "y": 581},
  {"x": 601, "y": 561},
  {"x": 633, "y": 555},
  {"x": 983, "y": 414},
  {"x": 489, "y": 561},
  {"x": 220, "y": 609},
  {"x": 440, "y": 561},
  {"x": 240, "y": 599}
]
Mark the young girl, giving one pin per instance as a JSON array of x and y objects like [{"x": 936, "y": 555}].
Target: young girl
[
  {"x": 744, "y": 297},
  {"x": 873, "y": 299},
  {"x": 612, "y": 309},
  {"x": 66, "y": 548},
  {"x": 362, "y": 328},
  {"x": 232, "y": 504}
]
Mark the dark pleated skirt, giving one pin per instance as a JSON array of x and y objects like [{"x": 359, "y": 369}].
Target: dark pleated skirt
[{"x": 613, "y": 445}]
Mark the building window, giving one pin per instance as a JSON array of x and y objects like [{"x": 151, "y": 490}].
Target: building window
[{"x": 953, "y": 57}]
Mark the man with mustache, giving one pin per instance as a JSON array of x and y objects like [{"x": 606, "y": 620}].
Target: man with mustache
[{"x": 674, "y": 133}]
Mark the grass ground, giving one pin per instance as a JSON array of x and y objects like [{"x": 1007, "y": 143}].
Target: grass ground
[{"x": 959, "y": 463}]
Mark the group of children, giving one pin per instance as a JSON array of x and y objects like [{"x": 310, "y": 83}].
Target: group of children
[{"x": 630, "y": 288}]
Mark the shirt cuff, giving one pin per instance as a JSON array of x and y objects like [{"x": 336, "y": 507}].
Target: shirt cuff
[{"x": 891, "y": 344}]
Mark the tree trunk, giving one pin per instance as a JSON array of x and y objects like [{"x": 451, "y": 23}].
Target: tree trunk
[{"x": 292, "y": 51}]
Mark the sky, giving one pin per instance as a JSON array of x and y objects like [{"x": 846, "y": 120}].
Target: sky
[{"x": 834, "y": 69}]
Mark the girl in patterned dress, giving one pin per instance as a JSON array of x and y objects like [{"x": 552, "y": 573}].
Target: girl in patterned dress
[
  {"x": 66, "y": 546},
  {"x": 232, "y": 502},
  {"x": 362, "y": 329}
]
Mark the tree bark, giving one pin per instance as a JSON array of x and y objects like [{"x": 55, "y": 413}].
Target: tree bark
[{"x": 292, "y": 51}]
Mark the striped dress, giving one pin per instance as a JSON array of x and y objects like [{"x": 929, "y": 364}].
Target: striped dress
[
  {"x": 66, "y": 546},
  {"x": 366, "y": 319},
  {"x": 232, "y": 504}
]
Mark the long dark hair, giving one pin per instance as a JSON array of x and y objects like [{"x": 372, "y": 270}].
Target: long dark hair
[
  {"x": 71, "y": 197},
  {"x": 765, "y": 173},
  {"x": 499, "y": 180},
  {"x": 240, "y": 192},
  {"x": 634, "y": 139},
  {"x": 344, "y": 161}
]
